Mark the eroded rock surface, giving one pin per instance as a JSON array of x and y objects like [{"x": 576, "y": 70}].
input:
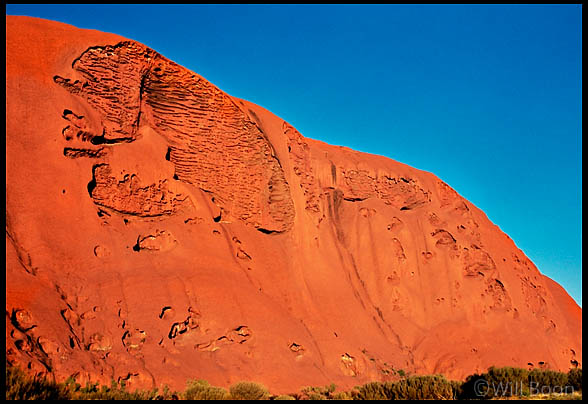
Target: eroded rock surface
[{"x": 160, "y": 230}]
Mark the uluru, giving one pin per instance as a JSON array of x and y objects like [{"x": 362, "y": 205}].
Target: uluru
[{"x": 159, "y": 230}]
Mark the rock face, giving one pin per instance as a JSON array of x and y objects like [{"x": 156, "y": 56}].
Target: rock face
[{"x": 160, "y": 230}]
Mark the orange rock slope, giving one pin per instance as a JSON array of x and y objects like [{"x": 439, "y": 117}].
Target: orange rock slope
[{"x": 160, "y": 230}]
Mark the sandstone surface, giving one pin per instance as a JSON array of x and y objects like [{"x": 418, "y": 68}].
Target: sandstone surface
[{"x": 160, "y": 230}]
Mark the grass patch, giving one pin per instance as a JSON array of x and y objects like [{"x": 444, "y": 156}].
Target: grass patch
[{"x": 497, "y": 383}]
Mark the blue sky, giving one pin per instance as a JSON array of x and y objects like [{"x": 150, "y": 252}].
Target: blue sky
[{"x": 488, "y": 98}]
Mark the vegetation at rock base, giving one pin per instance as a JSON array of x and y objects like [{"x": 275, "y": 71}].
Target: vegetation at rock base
[
  {"x": 19, "y": 386},
  {"x": 575, "y": 379},
  {"x": 248, "y": 391},
  {"x": 515, "y": 382},
  {"x": 201, "y": 390},
  {"x": 496, "y": 383},
  {"x": 318, "y": 393},
  {"x": 412, "y": 388}
]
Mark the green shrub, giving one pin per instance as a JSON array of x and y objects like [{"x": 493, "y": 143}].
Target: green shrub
[
  {"x": 496, "y": 382},
  {"x": 547, "y": 380},
  {"x": 423, "y": 388},
  {"x": 167, "y": 394},
  {"x": 248, "y": 391},
  {"x": 115, "y": 392},
  {"x": 507, "y": 374},
  {"x": 201, "y": 390},
  {"x": 508, "y": 381},
  {"x": 371, "y": 391},
  {"x": 412, "y": 388},
  {"x": 342, "y": 395},
  {"x": 20, "y": 386},
  {"x": 319, "y": 393},
  {"x": 575, "y": 379}
]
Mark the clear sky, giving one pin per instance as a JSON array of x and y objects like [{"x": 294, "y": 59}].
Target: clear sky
[{"x": 488, "y": 98}]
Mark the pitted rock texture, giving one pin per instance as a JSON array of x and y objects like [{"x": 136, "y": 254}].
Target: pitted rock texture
[
  {"x": 399, "y": 192},
  {"x": 213, "y": 144},
  {"x": 128, "y": 195},
  {"x": 110, "y": 77},
  {"x": 158, "y": 241},
  {"x": 160, "y": 230},
  {"x": 300, "y": 155}
]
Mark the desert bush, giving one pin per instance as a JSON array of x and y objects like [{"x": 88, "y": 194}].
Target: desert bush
[
  {"x": 412, "y": 388},
  {"x": 575, "y": 379},
  {"x": 506, "y": 382},
  {"x": 547, "y": 380},
  {"x": 509, "y": 381},
  {"x": 116, "y": 391},
  {"x": 248, "y": 391},
  {"x": 496, "y": 382},
  {"x": 201, "y": 390},
  {"x": 342, "y": 395},
  {"x": 371, "y": 391},
  {"x": 20, "y": 386},
  {"x": 167, "y": 394},
  {"x": 319, "y": 393},
  {"x": 423, "y": 388},
  {"x": 507, "y": 374}
]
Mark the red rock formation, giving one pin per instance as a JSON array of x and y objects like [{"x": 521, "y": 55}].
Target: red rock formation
[{"x": 159, "y": 230}]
